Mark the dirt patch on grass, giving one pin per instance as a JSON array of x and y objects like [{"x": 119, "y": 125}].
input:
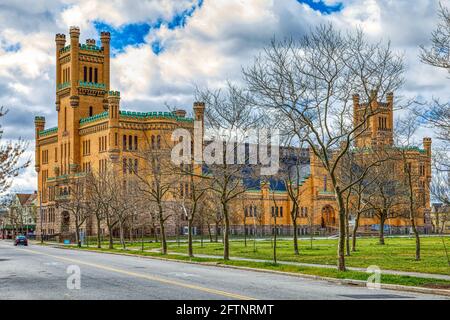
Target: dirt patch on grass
[{"x": 437, "y": 286}]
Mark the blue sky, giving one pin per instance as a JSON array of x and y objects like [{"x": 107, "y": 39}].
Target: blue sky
[
  {"x": 134, "y": 33},
  {"x": 322, "y": 7},
  {"x": 162, "y": 49}
]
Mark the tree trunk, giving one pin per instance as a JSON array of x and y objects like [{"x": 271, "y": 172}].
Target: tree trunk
[
  {"x": 294, "y": 224},
  {"x": 355, "y": 230},
  {"x": 77, "y": 236},
  {"x": 275, "y": 242},
  {"x": 77, "y": 233},
  {"x": 226, "y": 243},
  {"x": 216, "y": 236},
  {"x": 416, "y": 235},
  {"x": 99, "y": 240},
  {"x": 245, "y": 233},
  {"x": 110, "y": 236},
  {"x": 382, "y": 230},
  {"x": 411, "y": 214},
  {"x": 190, "y": 249},
  {"x": 162, "y": 230},
  {"x": 347, "y": 235},
  {"x": 341, "y": 243},
  {"x": 209, "y": 233},
  {"x": 122, "y": 236}
]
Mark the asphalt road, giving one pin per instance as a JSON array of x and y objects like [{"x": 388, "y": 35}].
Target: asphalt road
[{"x": 36, "y": 272}]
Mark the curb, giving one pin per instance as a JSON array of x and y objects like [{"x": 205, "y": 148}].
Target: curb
[{"x": 360, "y": 283}]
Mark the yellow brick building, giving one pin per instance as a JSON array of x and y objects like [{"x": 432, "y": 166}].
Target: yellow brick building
[
  {"x": 91, "y": 127},
  {"x": 92, "y": 130},
  {"x": 318, "y": 210}
]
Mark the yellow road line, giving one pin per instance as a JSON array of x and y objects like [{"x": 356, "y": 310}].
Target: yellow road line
[{"x": 148, "y": 277}]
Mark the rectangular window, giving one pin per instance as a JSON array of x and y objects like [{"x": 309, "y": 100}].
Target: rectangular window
[
  {"x": 135, "y": 142},
  {"x": 124, "y": 143},
  {"x": 130, "y": 142}
]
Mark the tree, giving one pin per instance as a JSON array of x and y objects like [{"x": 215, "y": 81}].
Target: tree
[
  {"x": 407, "y": 128},
  {"x": 10, "y": 155},
  {"x": 121, "y": 202},
  {"x": 192, "y": 190},
  {"x": 73, "y": 200},
  {"x": 439, "y": 53},
  {"x": 437, "y": 116},
  {"x": 227, "y": 116},
  {"x": 292, "y": 172},
  {"x": 107, "y": 182},
  {"x": 310, "y": 84},
  {"x": 386, "y": 195},
  {"x": 95, "y": 203},
  {"x": 155, "y": 178}
]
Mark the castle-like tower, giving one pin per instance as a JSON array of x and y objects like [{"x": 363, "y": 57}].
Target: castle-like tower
[{"x": 378, "y": 130}]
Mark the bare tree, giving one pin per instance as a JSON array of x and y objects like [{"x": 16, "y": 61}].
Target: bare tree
[
  {"x": 191, "y": 192},
  {"x": 227, "y": 115},
  {"x": 438, "y": 55},
  {"x": 10, "y": 155},
  {"x": 437, "y": 115},
  {"x": 156, "y": 179},
  {"x": 385, "y": 196},
  {"x": 292, "y": 171},
  {"x": 406, "y": 130},
  {"x": 72, "y": 198},
  {"x": 311, "y": 82},
  {"x": 121, "y": 194},
  {"x": 95, "y": 203}
]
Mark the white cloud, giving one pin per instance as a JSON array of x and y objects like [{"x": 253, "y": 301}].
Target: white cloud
[{"x": 217, "y": 40}]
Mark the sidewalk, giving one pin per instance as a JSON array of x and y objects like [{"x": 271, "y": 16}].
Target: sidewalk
[{"x": 393, "y": 272}]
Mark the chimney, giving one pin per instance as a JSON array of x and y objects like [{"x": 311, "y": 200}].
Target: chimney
[{"x": 179, "y": 113}]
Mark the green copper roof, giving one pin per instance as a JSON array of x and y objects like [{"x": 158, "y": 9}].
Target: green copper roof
[
  {"x": 412, "y": 149},
  {"x": 63, "y": 85},
  {"x": 153, "y": 115},
  {"x": 93, "y": 85},
  {"x": 48, "y": 131},
  {"x": 89, "y": 47},
  {"x": 137, "y": 115},
  {"x": 94, "y": 118},
  {"x": 65, "y": 49},
  {"x": 114, "y": 93}
]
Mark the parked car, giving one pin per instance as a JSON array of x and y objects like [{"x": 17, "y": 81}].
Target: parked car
[{"x": 21, "y": 240}]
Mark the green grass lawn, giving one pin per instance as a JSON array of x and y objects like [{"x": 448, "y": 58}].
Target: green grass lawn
[
  {"x": 396, "y": 254},
  {"x": 323, "y": 272}
]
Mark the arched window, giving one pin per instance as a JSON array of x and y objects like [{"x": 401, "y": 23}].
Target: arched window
[
  {"x": 95, "y": 75},
  {"x": 91, "y": 111},
  {"x": 158, "y": 142},
  {"x": 90, "y": 74},
  {"x": 153, "y": 142},
  {"x": 85, "y": 74}
]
